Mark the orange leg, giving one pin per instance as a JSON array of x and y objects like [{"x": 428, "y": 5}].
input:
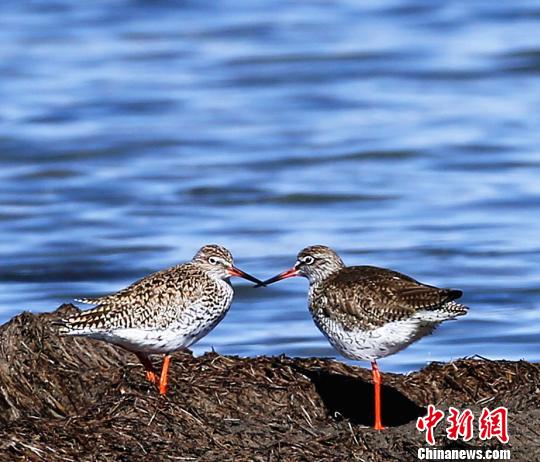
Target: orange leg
[
  {"x": 163, "y": 382},
  {"x": 377, "y": 381},
  {"x": 148, "y": 367}
]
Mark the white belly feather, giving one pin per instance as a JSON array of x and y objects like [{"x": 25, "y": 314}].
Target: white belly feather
[{"x": 368, "y": 345}]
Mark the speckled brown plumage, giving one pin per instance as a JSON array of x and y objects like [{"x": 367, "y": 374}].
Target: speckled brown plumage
[
  {"x": 165, "y": 311},
  {"x": 367, "y": 297},
  {"x": 366, "y": 312},
  {"x": 153, "y": 302}
]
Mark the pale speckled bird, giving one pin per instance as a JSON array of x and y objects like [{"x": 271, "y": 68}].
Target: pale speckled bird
[
  {"x": 163, "y": 312},
  {"x": 366, "y": 312}
]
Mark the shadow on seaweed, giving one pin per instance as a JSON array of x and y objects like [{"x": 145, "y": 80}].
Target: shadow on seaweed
[{"x": 353, "y": 399}]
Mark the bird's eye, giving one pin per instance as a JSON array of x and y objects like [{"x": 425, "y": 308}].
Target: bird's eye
[
  {"x": 213, "y": 260},
  {"x": 308, "y": 260}
]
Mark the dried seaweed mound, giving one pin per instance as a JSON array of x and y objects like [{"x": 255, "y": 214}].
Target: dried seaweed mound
[{"x": 72, "y": 399}]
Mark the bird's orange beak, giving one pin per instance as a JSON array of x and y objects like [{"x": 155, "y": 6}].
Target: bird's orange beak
[
  {"x": 234, "y": 271},
  {"x": 290, "y": 273}
]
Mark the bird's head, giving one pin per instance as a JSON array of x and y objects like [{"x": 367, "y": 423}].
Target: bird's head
[
  {"x": 315, "y": 263},
  {"x": 218, "y": 263}
]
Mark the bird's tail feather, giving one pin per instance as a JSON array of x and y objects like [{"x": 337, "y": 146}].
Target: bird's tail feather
[
  {"x": 82, "y": 322},
  {"x": 457, "y": 309},
  {"x": 445, "y": 312},
  {"x": 62, "y": 326}
]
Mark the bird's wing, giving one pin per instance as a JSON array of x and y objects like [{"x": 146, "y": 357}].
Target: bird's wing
[
  {"x": 146, "y": 284},
  {"x": 367, "y": 297},
  {"x": 171, "y": 289}
]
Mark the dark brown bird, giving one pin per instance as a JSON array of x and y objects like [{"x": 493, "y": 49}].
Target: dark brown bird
[
  {"x": 163, "y": 312},
  {"x": 366, "y": 312}
]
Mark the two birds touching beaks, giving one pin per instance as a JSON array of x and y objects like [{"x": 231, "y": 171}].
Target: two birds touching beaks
[{"x": 365, "y": 312}]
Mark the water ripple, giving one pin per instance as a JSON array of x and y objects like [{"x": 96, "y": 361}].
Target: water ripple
[{"x": 403, "y": 133}]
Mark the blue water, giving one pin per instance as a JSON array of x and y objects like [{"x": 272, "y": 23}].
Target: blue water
[{"x": 405, "y": 134}]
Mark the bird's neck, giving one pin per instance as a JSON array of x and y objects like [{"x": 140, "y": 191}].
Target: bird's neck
[{"x": 317, "y": 279}]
